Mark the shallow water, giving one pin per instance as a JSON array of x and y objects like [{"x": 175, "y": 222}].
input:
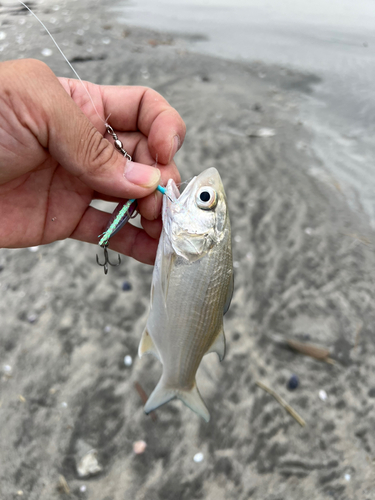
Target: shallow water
[{"x": 335, "y": 41}]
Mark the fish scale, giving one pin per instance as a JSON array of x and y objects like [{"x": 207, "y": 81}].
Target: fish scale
[
  {"x": 191, "y": 288},
  {"x": 187, "y": 324}
]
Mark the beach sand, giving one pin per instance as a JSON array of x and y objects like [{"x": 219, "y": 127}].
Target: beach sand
[{"x": 303, "y": 270}]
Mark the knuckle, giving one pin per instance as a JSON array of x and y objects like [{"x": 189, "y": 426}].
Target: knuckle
[{"x": 98, "y": 154}]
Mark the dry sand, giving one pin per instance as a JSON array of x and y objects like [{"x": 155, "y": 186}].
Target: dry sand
[{"x": 304, "y": 270}]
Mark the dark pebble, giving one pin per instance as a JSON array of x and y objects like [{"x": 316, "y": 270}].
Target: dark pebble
[
  {"x": 293, "y": 383},
  {"x": 126, "y": 286}
]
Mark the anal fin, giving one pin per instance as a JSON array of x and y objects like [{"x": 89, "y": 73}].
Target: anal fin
[
  {"x": 218, "y": 345},
  {"x": 146, "y": 345}
]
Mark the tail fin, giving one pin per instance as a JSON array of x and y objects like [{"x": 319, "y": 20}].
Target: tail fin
[
  {"x": 192, "y": 399},
  {"x": 159, "y": 397}
]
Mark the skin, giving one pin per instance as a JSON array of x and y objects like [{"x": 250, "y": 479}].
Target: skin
[{"x": 54, "y": 159}]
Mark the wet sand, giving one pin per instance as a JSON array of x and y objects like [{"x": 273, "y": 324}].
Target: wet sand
[{"x": 303, "y": 270}]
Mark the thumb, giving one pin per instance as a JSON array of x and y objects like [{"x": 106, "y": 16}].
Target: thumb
[{"x": 81, "y": 149}]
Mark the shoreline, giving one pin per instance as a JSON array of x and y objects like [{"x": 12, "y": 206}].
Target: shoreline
[{"x": 303, "y": 270}]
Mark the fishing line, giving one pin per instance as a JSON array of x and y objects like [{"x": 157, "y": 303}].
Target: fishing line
[
  {"x": 66, "y": 59},
  {"x": 126, "y": 210}
]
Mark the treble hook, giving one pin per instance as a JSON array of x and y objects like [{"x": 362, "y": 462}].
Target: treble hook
[{"x": 106, "y": 260}]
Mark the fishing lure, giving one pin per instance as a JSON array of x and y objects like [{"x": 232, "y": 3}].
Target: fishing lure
[{"x": 122, "y": 213}]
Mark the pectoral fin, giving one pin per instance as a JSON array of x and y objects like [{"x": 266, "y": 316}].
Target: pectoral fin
[
  {"x": 146, "y": 345},
  {"x": 218, "y": 345}
]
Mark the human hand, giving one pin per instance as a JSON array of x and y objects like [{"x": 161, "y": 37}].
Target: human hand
[{"x": 54, "y": 159}]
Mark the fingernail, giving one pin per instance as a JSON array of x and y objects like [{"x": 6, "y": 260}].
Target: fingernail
[
  {"x": 142, "y": 175},
  {"x": 175, "y": 147}
]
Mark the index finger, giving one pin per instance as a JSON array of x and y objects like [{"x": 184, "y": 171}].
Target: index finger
[{"x": 143, "y": 109}]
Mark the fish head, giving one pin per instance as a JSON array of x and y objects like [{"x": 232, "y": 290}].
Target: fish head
[{"x": 196, "y": 220}]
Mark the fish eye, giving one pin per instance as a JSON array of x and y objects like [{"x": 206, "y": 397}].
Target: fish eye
[{"x": 206, "y": 198}]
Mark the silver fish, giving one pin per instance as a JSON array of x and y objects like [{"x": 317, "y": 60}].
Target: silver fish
[{"x": 191, "y": 290}]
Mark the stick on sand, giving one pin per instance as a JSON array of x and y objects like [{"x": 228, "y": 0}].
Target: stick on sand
[
  {"x": 310, "y": 350},
  {"x": 283, "y": 403}
]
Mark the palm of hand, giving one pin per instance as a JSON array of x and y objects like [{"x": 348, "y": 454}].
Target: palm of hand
[{"x": 42, "y": 200}]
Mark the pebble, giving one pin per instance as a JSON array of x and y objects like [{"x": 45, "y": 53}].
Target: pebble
[
  {"x": 7, "y": 369},
  {"x": 323, "y": 395},
  {"x": 237, "y": 239},
  {"x": 106, "y": 41},
  {"x": 198, "y": 457},
  {"x": 347, "y": 477},
  {"x": 32, "y": 317},
  {"x": 64, "y": 405},
  {"x": 308, "y": 230},
  {"x": 263, "y": 132},
  {"x": 236, "y": 264},
  {"x": 293, "y": 382},
  {"x": 107, "y": 328},
  {"x": 89, "y": 465},
  {"x": 35, "y": 249},
  {"x": 46, "y": 53},
  {"x": 126, "y": 286},
  {"x": 3, "y": 35},
  {"x": 128, "y": 360},
  {"x": 139, "y": 447},
  {"x": 83, "y": 488}
]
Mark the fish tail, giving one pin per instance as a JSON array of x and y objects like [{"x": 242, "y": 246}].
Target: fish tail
[
  {"x": 160, "y": 395},
  {"x": 191, "y": 398}
]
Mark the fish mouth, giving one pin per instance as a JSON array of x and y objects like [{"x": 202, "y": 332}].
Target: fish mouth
[{"x": 172, "y": 191}]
